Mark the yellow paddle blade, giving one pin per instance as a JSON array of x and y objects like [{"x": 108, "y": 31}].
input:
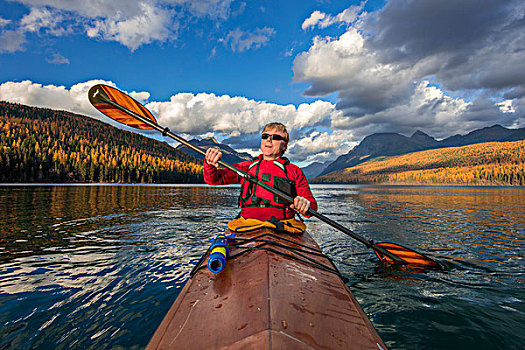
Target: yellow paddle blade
[
  {"x": 407, "y": 255},
  {"x": 98, "y": 96}
]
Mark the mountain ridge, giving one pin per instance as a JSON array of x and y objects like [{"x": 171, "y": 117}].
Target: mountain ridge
[
  {"x": 487, "y": 163},
  {"x": 391, "y": 144}
]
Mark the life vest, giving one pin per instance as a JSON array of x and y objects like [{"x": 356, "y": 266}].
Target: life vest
[{"x": 274, "y": 174}]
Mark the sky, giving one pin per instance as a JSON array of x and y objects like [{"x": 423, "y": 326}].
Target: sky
[{"x": 332, "y": 71}]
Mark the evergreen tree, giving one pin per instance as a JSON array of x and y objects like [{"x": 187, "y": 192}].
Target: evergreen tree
[{"x": 44, "y": 145}]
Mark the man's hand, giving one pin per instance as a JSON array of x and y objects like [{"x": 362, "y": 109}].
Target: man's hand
[
  {"x": 300, "y": 204},
  {"x": 212, "y": 157}
]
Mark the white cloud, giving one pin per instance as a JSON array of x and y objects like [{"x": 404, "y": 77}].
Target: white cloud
[
  {"x": 345, "y": 64},
  {"x": 289, "y": 53},
  {"x": 249, "y": 151},
  {"x": 321, "y": 146},
  {"x": 127, "y": 9},
  {"x": 389, "y": 77},
  {"x": 506, "y": 106},
  {"x": 426, "y": 108},
  {"x": 239, "y": 117},
  {"x": 88, "y": 9},
  {"x": 151, "y": 24},
  {"x": 11, "y": 41},
  {"x": 49, "y": 96},
  {"x": 141, "y": 96},
  {"x": 220, "y": 9},
  {"x": 323, "y": 20},
  {"x": 350, "y": 14},
  {"x": 206, "y": 114},
  {"x": 131, "y": 23},
  {"x": 57, "y": 58},
  {"x": 4, "y": 22},
  {"x": 199, "y": 113},
  {"x": 315, "y": 18},
  {"x": 42, "y": 19},
  {"x": 240, "y": 40},
  {"x": 314, "y": 113}
]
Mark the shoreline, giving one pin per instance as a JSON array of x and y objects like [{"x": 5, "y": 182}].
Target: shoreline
[{"x": 383, "y": 184}]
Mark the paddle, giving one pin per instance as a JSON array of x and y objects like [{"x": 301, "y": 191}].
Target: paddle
[{"x": 124, "y": 109}]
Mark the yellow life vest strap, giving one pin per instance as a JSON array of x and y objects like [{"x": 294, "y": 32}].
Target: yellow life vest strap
[{"x": 289, "y": 225}]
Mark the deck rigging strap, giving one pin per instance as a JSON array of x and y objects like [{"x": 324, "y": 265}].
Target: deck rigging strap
[{"x": 300, "y": 254}]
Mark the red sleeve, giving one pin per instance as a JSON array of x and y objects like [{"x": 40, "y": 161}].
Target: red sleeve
[
  {"x": 214, "y": 176},
  {"x": 302, "y": 186}
]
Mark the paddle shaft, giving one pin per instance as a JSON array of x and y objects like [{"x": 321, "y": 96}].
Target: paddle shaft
[{"x": 166, "y": 132}]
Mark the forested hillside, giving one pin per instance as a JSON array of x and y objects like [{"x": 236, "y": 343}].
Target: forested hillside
[
  {"x": 44, "y": 145},
  {"x": 491, "y": 163},
  {"x": 393, "y": 144}
]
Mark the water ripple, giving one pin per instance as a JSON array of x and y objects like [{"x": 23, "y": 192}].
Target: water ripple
[{"x": 82, "y": 267}]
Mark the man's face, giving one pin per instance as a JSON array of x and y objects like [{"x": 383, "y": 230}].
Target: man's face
[{"x": 272, "y": 149}]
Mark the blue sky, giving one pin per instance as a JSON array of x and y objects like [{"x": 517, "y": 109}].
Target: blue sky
[
  {"x": 332, "y": 71},
  {"x": 196, "y": 57}
]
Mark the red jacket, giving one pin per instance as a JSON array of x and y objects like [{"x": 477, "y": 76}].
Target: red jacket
[{"x": 214, "y": 176}]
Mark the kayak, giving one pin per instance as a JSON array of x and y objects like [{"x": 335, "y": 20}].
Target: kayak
[{"x": 277, "y": 291}]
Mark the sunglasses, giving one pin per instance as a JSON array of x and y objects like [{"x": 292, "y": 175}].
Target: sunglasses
[{"x": 272, "y": 137}]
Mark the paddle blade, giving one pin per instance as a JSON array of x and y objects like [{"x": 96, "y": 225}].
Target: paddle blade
[
  {"x": 98, "y": 96},
  {"x": 406, "y": 254}
]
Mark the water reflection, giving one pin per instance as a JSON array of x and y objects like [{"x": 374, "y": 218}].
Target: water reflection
[
  {"x": 84, "y": 266},
  {"x": 80, "y": 265},
  {"x": 40, "y": 219},
  {"x": 478, "y": 233},
  {"x": 486, "y": 225}
]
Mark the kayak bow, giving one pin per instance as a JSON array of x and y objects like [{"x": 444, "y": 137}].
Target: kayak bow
[{"x": 276, "y": 292}]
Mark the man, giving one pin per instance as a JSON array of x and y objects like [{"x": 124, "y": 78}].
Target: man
[{"x": 270, "y": 167}]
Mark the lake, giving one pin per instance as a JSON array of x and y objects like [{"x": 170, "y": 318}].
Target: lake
[{"x": 98, "y": 266}]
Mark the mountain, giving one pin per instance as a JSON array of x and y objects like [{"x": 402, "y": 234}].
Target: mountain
[
  {"x": 391, "y": 144},
  {"x": 314, "y": 169},
  {"x": 488, "y": 163},
  {"x": 490, "y": 134},
  {"x": 45, "y": 145},
  {"x": 423, "y": 139},
  {"x": 375, "y": 145},
  {"x": 229, "y": 155}
]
